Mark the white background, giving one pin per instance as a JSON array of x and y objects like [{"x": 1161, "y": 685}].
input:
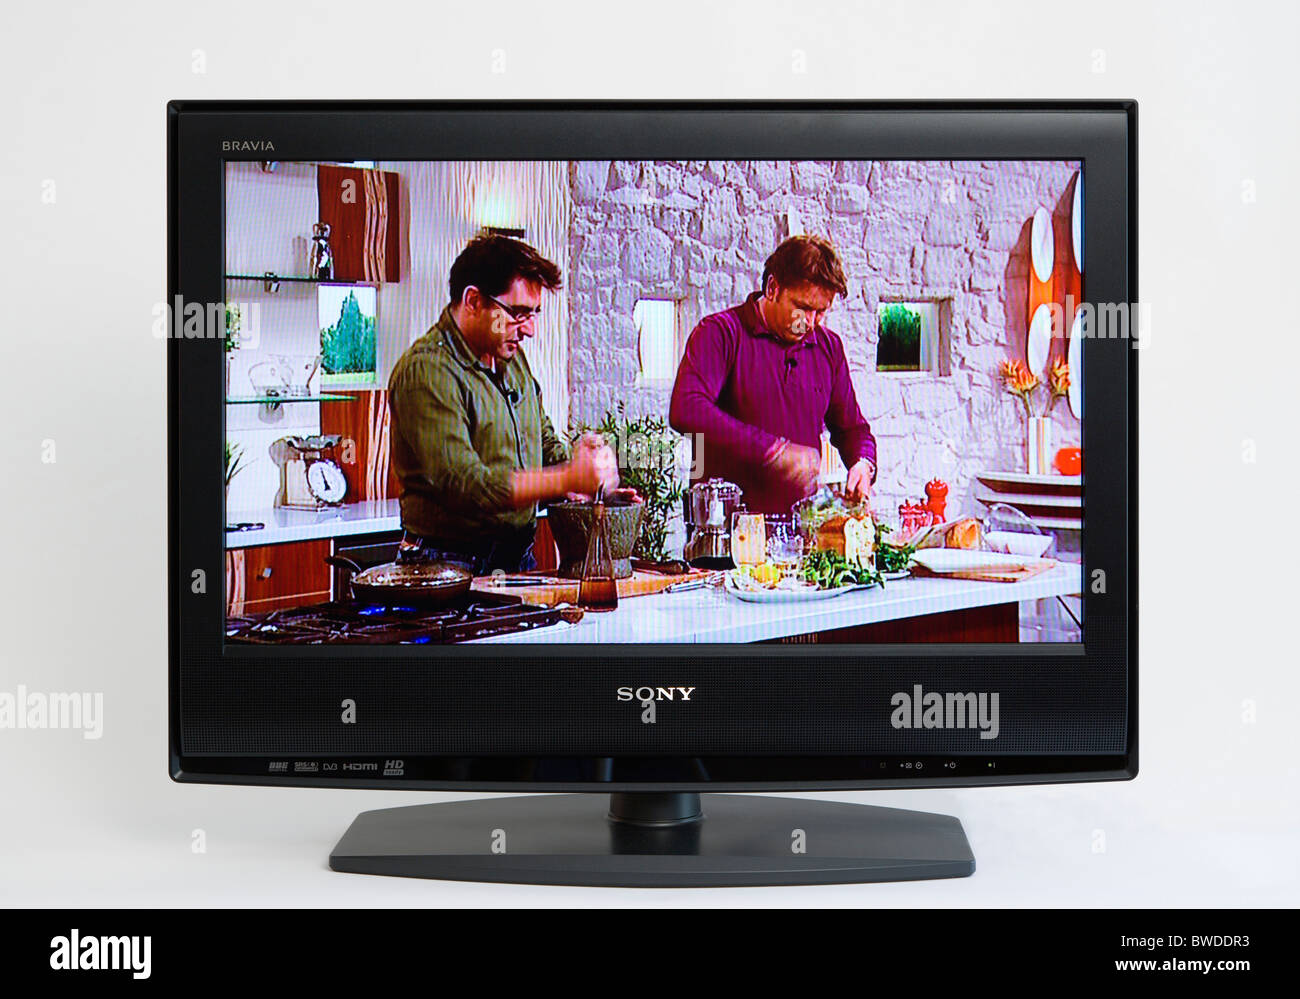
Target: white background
[{"x": 1212, "y": 820}]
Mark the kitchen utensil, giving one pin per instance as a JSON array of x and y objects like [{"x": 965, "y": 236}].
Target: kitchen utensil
[
  {"x": 597, "y": 589},
  {"x": 946, "y": 560},
  {"x": 936, "y": 498},
  {"x": 690, "y": 584},
  {"x": 712, "y": 503},
  {"x": 673, "y": 567},
  {"x": 322, "y": 256},
  {"x": 748, "y": 538},
  {"x": 309, "y": 478},
  {"x": 912, "y": 519},
  {"x": 412, "y": 581},
  {"x": 1010, "y": 529},
  {"x": 1014, "y": 574},
  {"x": 570, "y": 524},
  {"x": 507, "y": 581},
  {"x": 284, "y": 375},
  {"x": 807, "y": 515},
  {"x": 561, "y": 591},
  {"x": 1018, "y": 543},
  {"x": 785, "y": 546}
]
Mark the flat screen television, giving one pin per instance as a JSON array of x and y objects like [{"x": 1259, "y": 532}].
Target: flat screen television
[{"x": 650, "y": 451}]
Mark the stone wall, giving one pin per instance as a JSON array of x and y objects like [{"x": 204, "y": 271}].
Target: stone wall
[{"x": 699, "y": 232}]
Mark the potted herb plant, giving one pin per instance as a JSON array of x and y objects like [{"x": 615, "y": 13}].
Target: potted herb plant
[
  {"x": 646, "y": 448},
  {"x": 234, "y": 322},
  {"x": 234, "y": 464}
]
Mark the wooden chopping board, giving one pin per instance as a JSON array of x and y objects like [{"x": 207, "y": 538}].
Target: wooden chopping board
[
  {"x": 639, "y": 584},
  {"x": 1009, "y": 575}
]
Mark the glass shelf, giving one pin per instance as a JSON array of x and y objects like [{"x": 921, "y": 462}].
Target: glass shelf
[
  {"x": 282, "y": 279},
  {"x": 274, "y": 401}
]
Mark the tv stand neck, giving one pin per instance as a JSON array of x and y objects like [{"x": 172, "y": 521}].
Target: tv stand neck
[{"x": 655, "y": 809}]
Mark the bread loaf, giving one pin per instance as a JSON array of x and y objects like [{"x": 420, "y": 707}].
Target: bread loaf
[
  {"x": 854, "y": 537},
  {"x": 964, "y": 534}
]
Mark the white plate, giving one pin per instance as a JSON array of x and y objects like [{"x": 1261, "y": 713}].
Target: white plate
[
  {"x": 961, "y": 560},
  {"x": 1042, "y": 245},
  {"x": 789, "y": 596},
  {"x": 1039, "y": 342},
  {"x": 1076, "y": 223},
  {"x": 1074, "y": 357},
  {"x": 891, "y": 577}
]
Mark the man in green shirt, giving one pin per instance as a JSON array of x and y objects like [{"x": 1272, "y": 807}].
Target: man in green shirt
[{"x": 472, "y": 446}]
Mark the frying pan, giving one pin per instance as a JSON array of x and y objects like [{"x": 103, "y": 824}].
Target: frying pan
[{"x": 411, "y": 582}]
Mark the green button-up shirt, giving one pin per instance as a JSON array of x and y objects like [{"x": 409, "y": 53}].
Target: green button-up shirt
[{"x": 459, "y": 430}]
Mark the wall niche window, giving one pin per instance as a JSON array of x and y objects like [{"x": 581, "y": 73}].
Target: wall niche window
[
  {"x": 913, "y": 337},
  {"x": 658, "y": 344}
]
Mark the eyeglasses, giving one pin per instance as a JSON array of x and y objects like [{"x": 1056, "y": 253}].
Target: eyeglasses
[{"x": 519, "y": 314}]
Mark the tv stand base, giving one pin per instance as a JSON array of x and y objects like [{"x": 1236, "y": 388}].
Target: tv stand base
[{"x": 647, "y": 840}]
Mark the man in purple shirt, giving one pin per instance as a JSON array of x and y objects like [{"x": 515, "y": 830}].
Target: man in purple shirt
[{"x": 758, "y": 382}]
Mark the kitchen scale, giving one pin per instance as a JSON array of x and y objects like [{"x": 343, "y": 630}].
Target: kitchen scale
[{"x": 309, "y": 477}]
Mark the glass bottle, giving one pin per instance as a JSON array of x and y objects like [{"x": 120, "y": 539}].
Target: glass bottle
[{"x": 598, "y": 589}]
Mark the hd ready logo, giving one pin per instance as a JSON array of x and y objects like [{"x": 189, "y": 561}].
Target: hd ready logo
[
  {"x": 102, "y": 953},
  {"x": 931, "y": 709}
]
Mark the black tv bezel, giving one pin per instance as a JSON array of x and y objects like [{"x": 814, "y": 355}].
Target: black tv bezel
[{"x": 942, "y": 130}]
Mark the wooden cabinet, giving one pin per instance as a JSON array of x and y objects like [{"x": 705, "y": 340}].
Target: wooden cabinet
[{"x": 268, "y": 577}]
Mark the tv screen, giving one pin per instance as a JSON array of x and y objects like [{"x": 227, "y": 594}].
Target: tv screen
[
  {"x": 635, "y": 447},
  {"x": 828, "y": 399}
]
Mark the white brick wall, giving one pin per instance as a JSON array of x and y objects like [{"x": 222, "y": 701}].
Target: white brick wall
[{"x": 700, "y": 231}]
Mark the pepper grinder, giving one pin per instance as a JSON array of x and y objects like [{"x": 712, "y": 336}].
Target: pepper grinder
[
  {"x": 322, "y": 257},
  {"x": 598, "y": 589}
]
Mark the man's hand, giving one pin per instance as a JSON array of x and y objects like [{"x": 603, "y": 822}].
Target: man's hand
[
  {"x": 799, "y": 466},
  {"x": 623, "y": 494},
  {"x": 858, "y": 484},
  {"x": 592, "y": 466}
]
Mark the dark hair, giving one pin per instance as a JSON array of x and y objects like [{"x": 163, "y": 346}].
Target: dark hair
[
  {"x": 805, "y": 260},
  {"x": 491, "y": 263}
]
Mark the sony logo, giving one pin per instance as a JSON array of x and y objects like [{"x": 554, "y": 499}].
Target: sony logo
[
  {"x": 247, "y": 145},
  {"x": 644, "y": 694}
]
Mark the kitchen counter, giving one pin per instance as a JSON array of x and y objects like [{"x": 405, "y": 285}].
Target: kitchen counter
[
  {"x": 711, "y": 615},
  {"x": 282, "y": 525}
]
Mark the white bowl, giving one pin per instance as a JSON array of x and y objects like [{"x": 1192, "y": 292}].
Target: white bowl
[{"x": 1018, "y": 543}]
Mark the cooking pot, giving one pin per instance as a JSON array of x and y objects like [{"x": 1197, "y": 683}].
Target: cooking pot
[{"x": 409, "y": 582}]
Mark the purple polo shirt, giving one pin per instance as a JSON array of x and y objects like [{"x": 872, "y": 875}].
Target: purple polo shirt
[{"x": 741, "y": 388}]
